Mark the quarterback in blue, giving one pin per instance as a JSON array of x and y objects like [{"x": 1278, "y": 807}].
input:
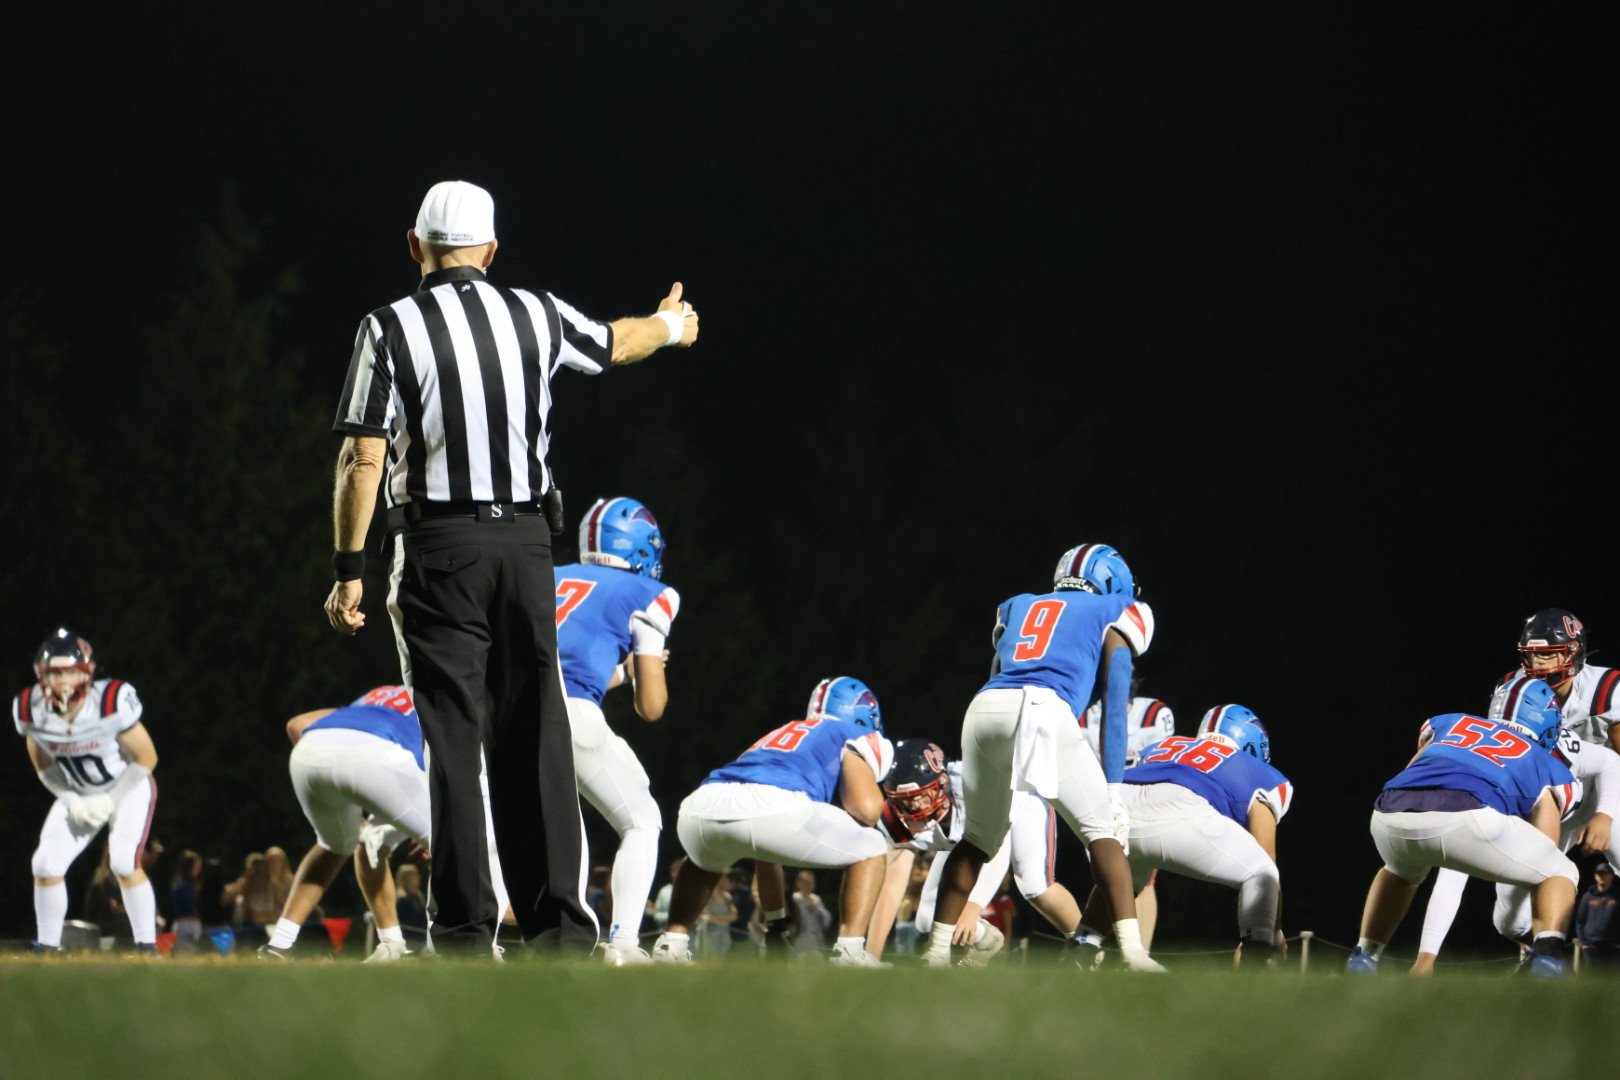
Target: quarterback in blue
[
  {"x": 1485, "y": 797},
  {"x": 805, "y": 795},
  {"x": 365, "y": 758},
  {"x": 1207, "y": 806},
  {"x": 613, "y": 617},
  {"x": 1021, "y": 731}
]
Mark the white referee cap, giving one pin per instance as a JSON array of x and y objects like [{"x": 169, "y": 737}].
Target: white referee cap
[{"x": 456, "y": 214}]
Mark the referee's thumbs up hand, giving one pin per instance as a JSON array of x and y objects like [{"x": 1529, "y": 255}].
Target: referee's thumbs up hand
[{"x": 689, "y": 316}]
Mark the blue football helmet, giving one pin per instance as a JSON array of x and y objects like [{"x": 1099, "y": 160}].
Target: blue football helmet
[
  {"x": 1241, "y": 726},
  {"x": 1530, "y": 706},
  {"x": 1096, "y": 568},
  {"x": 623, "y": 533},
  {"x": 845, "y": 699}
]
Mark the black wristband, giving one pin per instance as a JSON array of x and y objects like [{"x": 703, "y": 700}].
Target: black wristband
[{"x": 348, "y": 565}]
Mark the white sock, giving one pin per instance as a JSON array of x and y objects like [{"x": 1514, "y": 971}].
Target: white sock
[
  {"x": 779, "y": 913},
  {"x": 939, "y": 940},
  {"x": 286, "y": 933},
  {"x": 140, "y": 902},
  {"x": 851, "y": 944},
  {"x": 633, "y": 869},
  {"x": 1370, "y": 947},
  {"x": 391, "y": 933},
  {"x": 676, "y": 941},
  {"x": 978, "y": 932},
  {"x": 1085, "y": 935},
  {"x": 50, "y": 911},
  {"x": 624, "y": 941},
  {"x": 1128, "y": 932},
  {"x": 1552, "y": 934}
]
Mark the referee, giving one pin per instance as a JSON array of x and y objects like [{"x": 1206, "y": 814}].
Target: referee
[{"x": 446, "y": 397}]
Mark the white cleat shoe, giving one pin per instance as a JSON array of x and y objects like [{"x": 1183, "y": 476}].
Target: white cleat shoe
[
  {"x": 617, "y": 957},
  {"x": 988, "y": 945},
  {"x": 855, "y": 958},
  {"x": 666, "y": 951},
  {"x": 1139, "y": 960},
  {"x": 387, "y": 952}
]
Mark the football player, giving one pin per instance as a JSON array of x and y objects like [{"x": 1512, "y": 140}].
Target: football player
[
  {"x": 1207, "y": 806},
  {"x": 613, "y": 616},
  {"x": 924, "y": 813},
  {"x": 1149, "y": 722},
  {"x": 1021, "y": 732},
  {"x": 805, "y": 795},
  {"x": 1485, "y": 798},
  {"x": 1589, "y": 828},
  {"x": 1552, "y": 648},
  {"x": 365, "y": 758},
  {"x": 91, "y": 751}
]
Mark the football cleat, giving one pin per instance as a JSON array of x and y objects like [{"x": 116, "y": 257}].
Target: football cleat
[
  {"x": 845, "y": 699},
  {"x": 39, "y": 948},
  {"x": 1552, "y": 646},
  {"x": 1543, "y": 966},
  {"x": 147, "y": 948},
  {"x": 1530, "y": 706},
  {"x": 980, "y": 952},
  {"x": 270, "y": 952},
  {"x": 779, "y": 936},
  {"x": 667, "y": 951},
  {"x": 387, "y": 952},
  {"x": 1137, "y": 959},
  {"x": 1241, "y": 726},
  {"x": 1085, "y": 955},
  {"x": 855, "y": 957},
  {"x": 617, "y": 957},
  {"x": 915, "y": 792},
  {"x": 62, "y": 652},
  {"x": 1095, "y": 568},
  {"x": 623, "y": 533},
  {"x": 1360, "y": 963}
]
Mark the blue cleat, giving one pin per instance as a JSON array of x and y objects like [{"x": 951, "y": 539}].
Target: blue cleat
[
  {"x": 1360, "y": 963},
  {"x": 1548, "y": 967}
]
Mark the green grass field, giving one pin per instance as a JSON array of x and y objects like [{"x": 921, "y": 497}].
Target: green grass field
[{"x": 444, "y": 1018}]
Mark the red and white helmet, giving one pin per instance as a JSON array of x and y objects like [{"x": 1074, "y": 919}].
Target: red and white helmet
[{"x": 64, "y": 651}]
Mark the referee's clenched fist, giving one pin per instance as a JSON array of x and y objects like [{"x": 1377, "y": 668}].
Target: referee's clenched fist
[{"x": 445, "y": 403}]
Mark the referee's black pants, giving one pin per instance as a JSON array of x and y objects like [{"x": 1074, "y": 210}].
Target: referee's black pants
[{"x": 475, "y": 605}]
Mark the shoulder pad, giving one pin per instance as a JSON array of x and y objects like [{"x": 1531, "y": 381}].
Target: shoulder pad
[
  {"x": 1135, "y": 624},
  {"x": 660, "y": 613},
  {"x": 1567, "y": 797},
  {"x": 21, "y": 706},
  {"x": 876, "y": 751},
  {"x": 1603, "y": 698}
]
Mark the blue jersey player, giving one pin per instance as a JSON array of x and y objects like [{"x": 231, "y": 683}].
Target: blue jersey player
[
  {"x": 1484, "y": 797},
  {"x": 1207, "y": 806},
  {"x": 365, "y": 758},
  {"x": 806, "y": 795},
  {"x": 613, "y": 616},
  {"x": 1021, "y": 731}
]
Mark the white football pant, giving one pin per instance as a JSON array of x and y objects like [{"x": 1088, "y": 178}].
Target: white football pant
[
  {"x": 1482, "y": 843},
  {"x": 1178, "y": 830},
  {"x": 340, "y": 775},
  {"x": 1034, "y": 857},
  {"x": 611, "y": 778},
  {"x": 721, "y": 823},
  {"x": 60, "y": 841},
  {"x": 1007, "y": 736}
]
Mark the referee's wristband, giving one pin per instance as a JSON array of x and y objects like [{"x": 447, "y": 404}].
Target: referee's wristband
[
  {"x": 676, "y": 323},
  {"x": 348, "y": 565}
]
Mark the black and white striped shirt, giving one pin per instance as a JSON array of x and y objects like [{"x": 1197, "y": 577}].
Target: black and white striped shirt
[{"x": 457, "y": 377}]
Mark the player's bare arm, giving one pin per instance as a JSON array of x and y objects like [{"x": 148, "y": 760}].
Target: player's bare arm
[
  {"x": 896, "y": 877},
  {"x": 37, "y": 755},
  {"x": 1546, "y": 816},
  {"x": 1263, "y": 827},
  {"x": 858, "y": 791},
  {"x": 136, "y": 746},
  {"x": 354, "y": 498},
  {"x": 651, "y": 691},
  {"x": 300, "y": 723},
  {"x": 635, "y": 339}
]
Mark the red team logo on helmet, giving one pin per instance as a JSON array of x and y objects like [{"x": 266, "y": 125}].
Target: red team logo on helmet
[{"x": 63, "y": 652}]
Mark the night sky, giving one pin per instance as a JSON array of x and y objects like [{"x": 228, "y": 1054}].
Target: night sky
[{"x": 1301, "y": 309}]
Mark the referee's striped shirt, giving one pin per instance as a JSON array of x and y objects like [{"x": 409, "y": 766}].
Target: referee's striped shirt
[{"x": 457, "y": 378}]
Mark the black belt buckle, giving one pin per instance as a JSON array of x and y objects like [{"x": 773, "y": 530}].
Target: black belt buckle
[{"x": 495, "y": 512}]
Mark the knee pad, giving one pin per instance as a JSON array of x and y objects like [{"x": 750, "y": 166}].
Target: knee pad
[
  {"x": 121, "y": 864},
  {"x": 42, "y": 867}
]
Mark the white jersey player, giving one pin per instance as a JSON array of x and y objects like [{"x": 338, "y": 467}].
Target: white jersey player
[
  {"x": 1552, "y": 648},
  {"x": 1151, "y": 722},
  {"x": 613, "y": 617},
  {"x": 90, "y": 749},
  {"x": 926, "y": 812}
]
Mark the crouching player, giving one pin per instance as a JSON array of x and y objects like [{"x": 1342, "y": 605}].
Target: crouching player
[
  {"x": 1021, "y": 732},
  {"x": 925, "y": 811},
  {"x": 1484, "y": 797},
  {"x": 363, "y": 758},
  {"x": 1208, "y": 807},
  {"x": 806, "y": 795}
]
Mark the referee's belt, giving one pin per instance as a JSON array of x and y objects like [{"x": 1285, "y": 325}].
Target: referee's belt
[{"x": 416, "y": 511}]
